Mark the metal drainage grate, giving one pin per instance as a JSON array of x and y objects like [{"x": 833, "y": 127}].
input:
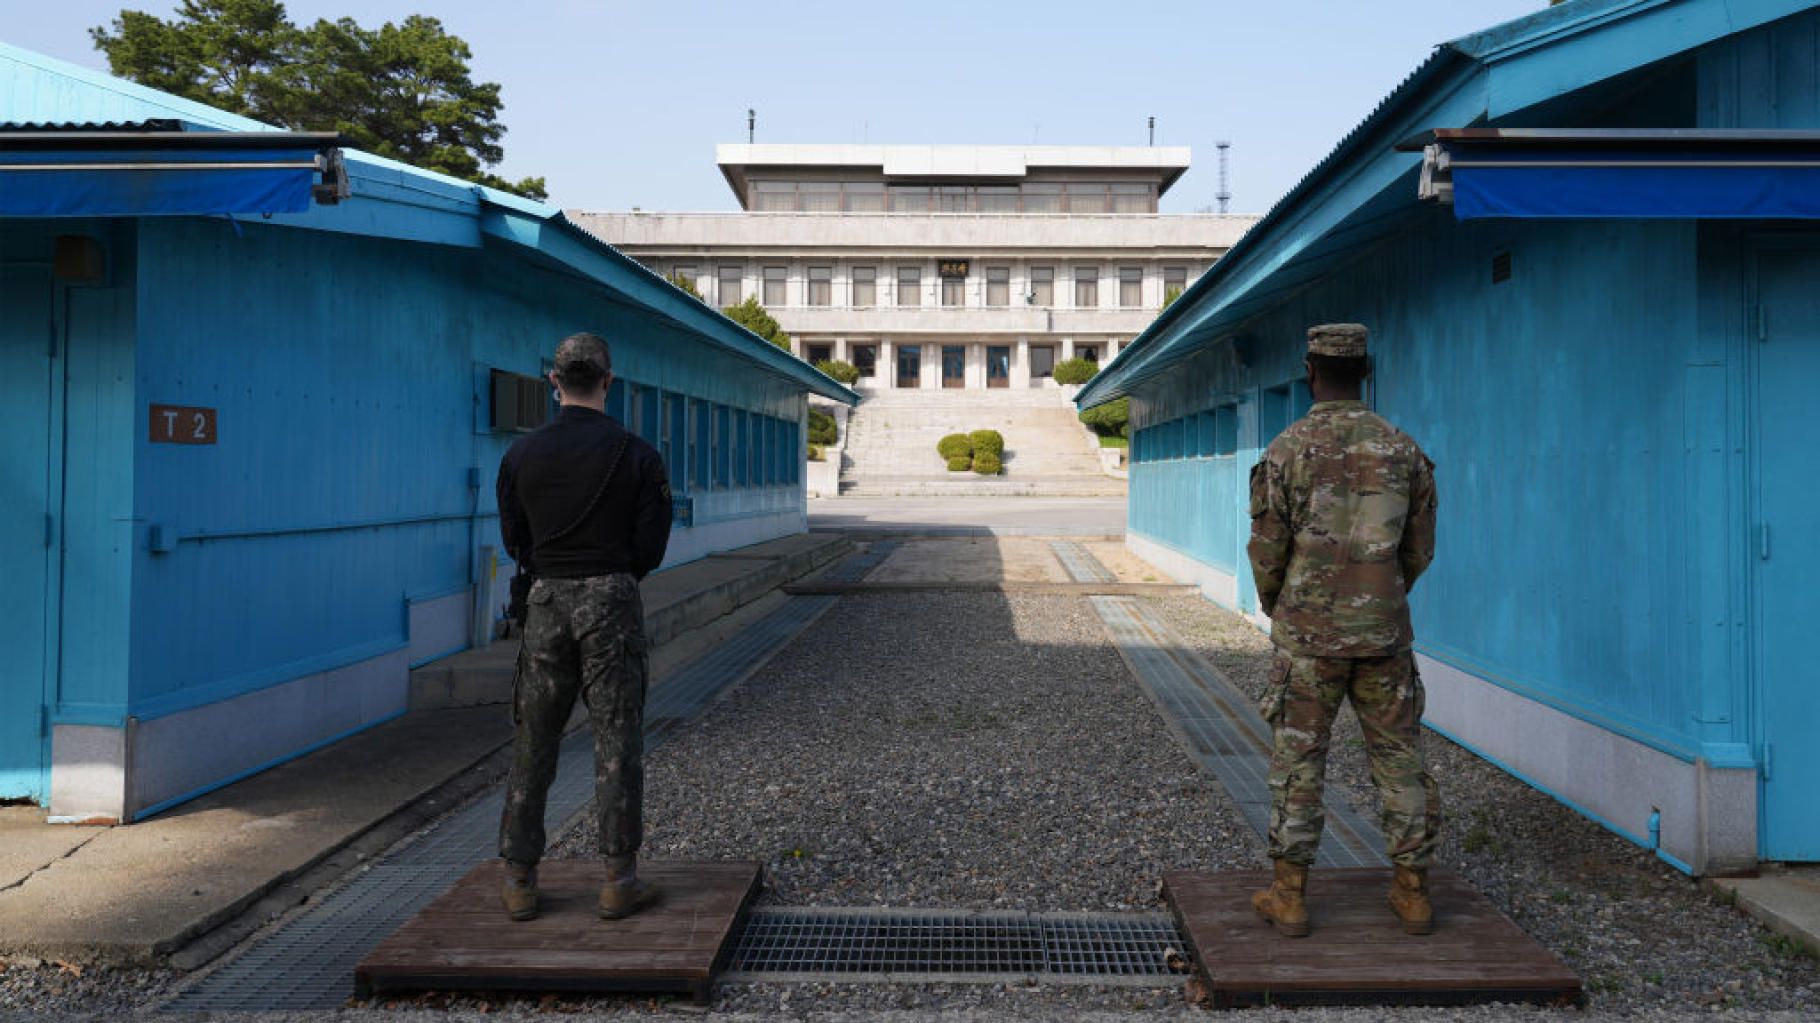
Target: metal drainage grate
[
  {"x": 941, "y": 945},
  {"x": 854, "y": 567},
  {"x": 309, "y": 962},
  {"x": 1082, "y": 566},
  {"x": 1223, "y": 730}
]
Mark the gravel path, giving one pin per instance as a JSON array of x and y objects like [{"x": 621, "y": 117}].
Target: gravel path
[
  {"x": 943, "y": 750},
  {"x": 1642, "y": 935}
]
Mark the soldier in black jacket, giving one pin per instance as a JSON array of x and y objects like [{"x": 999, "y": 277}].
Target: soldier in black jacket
[{"x": 584, "y": 508}]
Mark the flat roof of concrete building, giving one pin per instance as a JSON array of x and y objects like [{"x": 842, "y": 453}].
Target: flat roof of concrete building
[{"x": 952, "y": 162}]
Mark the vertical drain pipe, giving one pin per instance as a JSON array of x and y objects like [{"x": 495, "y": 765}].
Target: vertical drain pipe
[{"x": 1655, "y": 843}]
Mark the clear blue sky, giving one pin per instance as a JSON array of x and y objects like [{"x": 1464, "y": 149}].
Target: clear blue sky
[{"x": 620, "y": 104}]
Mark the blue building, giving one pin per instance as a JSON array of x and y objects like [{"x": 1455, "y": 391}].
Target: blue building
[
  {"x": 257, "y": 387},
  {"x": 1584, "y": 243}
]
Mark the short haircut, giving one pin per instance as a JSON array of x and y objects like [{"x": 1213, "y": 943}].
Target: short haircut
[
  {"x": 1341, "y": 369},
  {"x": 582, "y": 362}
]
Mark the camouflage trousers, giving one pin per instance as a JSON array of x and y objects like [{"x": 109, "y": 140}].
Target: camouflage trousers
[
  {"x": 582, "y": 637},
  {"x": 1301, "y": 702}
]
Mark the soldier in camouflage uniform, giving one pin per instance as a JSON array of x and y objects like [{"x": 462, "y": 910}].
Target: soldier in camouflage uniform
[
  {"x": 1342, "y": 524},
  {"x": 584, "y": 507}
]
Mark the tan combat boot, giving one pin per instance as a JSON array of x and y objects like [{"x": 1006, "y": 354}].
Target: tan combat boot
[
  {"x": 1281, "y": 903},
  {"x": 1409, "y": 898},
  {"x": 519, "y": 891},
  {"x": 624, "y": 894}
]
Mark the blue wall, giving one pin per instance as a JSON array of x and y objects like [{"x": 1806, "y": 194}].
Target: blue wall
[{"x": 350, "y": 376}]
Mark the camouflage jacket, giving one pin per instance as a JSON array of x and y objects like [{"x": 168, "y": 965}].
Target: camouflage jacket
[{"x": 1342, "y": 524}]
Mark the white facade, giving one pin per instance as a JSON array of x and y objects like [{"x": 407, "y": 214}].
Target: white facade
[{"x": 919, "y": 265}]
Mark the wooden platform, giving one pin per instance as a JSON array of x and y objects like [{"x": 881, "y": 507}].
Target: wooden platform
[
  {"x": 1357, "y": 953},
  {"x": 464, "y": 940}
]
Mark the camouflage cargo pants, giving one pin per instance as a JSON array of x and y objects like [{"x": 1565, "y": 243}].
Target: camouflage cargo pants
[
  {"x": 582, "y": 637},
  {"x": 1301, "y": 702}
]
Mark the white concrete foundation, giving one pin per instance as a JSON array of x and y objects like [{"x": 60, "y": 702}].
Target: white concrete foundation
[
  {"x": 88, "y": 774},
  {"x": 440, "y": 626}
]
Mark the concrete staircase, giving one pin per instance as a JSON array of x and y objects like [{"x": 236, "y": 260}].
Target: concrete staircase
[{"x": 891, "y": 438}]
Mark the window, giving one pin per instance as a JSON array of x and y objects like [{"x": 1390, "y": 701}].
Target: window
[
  {"x": 998, "y": 285},
  {"x": 1086, "y": 198},
  {"x": 1132, "y": 198},
  {"x": 650, "y": 407},
  {"x": 997, "y": 198},
  {"x": 865, "y": 359},
  {"x": 865, "y": 197},
  {"x": 676, "y": 441},
  {"x": 1042, "y": 361},
  {"x": 1042, "y": 197},
  {"x": 1042, "y": 285},
  {"x": 953, "y": 199},
  {"x": 909, "y": 198},
  {"x": 616, "y": 401},
  {"x": 635, "y": 403},
  {"x": 821, "y": 285},
  {"x": 700, "y": 446},
  {"x": 1175, "y": 281},
  {"x": 723, "y": 436},
  {"x": 820, "y": 353},
  {"x": 742, "y": 448},
  {"x": 520, "y": 403},
  {"x": 775, "y": 279},
  {"x": 1206, "y": 431},
  {"x": 865, "y": 286},
  {"x": 1131, "y": 286},
  {"x": 773, "y": 196},
  {"x": 954, "y": 291},
  {"x": 1086, "y": 287},
  {"x": 909, "y": 285},
  {"x": 1226, "y": 430},
  {"x": 731, "y": 286},
  {"x": 818, "y": 196}
]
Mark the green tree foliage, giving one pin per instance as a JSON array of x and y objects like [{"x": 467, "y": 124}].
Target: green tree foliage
[
  {"x": 752, "y": 316},
  {"x": 955, "y": 445},
  {"x": 987, "y": 465},
  {"x": 1075, "y": 371},
  {"x": 822, "y": 428},
  {"x": 686, "y": 286},
  {"x": 845, "y": 372},
  {"x": 1110, "y": 419},
  {"x": 960, "y": 463},
  {"x": 403, "y": 91},
  {"x": 987, "y": 442},
  {"x": 1170, "y": 294}
]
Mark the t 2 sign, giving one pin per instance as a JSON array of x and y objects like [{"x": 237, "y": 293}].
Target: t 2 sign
[{"x": 182, "y": 424}]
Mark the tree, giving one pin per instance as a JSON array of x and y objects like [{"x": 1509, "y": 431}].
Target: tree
[
  {"x": 1170, "y": 294},
  {"x": 402, "y": 91},
  {"x": 686, "y": 286},
  {"x": 752, "y": 316},
  {"x": 1110, "y": 419}
]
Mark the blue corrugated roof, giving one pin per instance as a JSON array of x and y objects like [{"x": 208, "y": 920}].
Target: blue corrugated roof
[
  {"x": 36, "y": 89},
  {"x": 1453, "y": 61}
]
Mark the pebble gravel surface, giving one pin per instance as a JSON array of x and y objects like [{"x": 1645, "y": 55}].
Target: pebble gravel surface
[
  {"x": 991, "y": 751},
  {"x": 941, "y": 750}
]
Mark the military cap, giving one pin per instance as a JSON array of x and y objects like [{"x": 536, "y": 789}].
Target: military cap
[
  {"x": 1345, "y": 340},
  {"x": 579, "y": 350}
]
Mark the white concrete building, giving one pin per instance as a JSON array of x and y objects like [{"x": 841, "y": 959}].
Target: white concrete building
[{"x": 940, "y": 266}]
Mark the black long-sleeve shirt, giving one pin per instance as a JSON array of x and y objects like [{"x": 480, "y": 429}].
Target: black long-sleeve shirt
[{"x": 548, "y": 478}]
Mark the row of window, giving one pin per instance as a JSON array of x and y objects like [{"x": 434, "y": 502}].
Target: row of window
[
  {"x": 864, "y": 357},
  {"x": 878, "y": 197},
  {"x": 1210, "y": 434},
  {"x": 995, "y": 291},
  {"x": 707, "y": 445}
]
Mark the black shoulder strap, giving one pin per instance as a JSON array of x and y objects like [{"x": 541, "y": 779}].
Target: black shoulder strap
[{"x": 619, "y": 450}]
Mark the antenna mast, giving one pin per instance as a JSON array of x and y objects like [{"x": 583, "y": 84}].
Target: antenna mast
[
  {"x": 1224, "y": 196},
  {"x": 1153, "y": 129},
  {"x": 751, "y": 125}
]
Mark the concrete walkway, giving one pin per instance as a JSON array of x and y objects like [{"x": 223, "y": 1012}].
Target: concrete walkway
[
  {"x": 976, "y": 516},
  {"x": 136, "y": 893}
]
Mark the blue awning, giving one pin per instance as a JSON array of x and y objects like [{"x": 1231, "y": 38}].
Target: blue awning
[
  {"x": 1514, "y": 173},
  {"x": 64, "y": 174}
]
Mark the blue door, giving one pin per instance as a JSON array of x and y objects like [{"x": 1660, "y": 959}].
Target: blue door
[
  {"x": 1787, "y": 552},
  {"x": 27, "y": 528}
]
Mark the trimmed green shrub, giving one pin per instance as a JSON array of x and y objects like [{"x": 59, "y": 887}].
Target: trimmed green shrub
[
  {"x": 960, "y": 463},
  {"x": 822, "y": 429},
  {"x": 987, "y": 442},
  {"x": 816, "y": 454},
  {"x": 1109, "y": 419},
  {"x": 845, "y": 372},
  {"x": 955, "y": 445},
  {"x": 987, "y": 465},
  {"x": 1075, "y": 371}
]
